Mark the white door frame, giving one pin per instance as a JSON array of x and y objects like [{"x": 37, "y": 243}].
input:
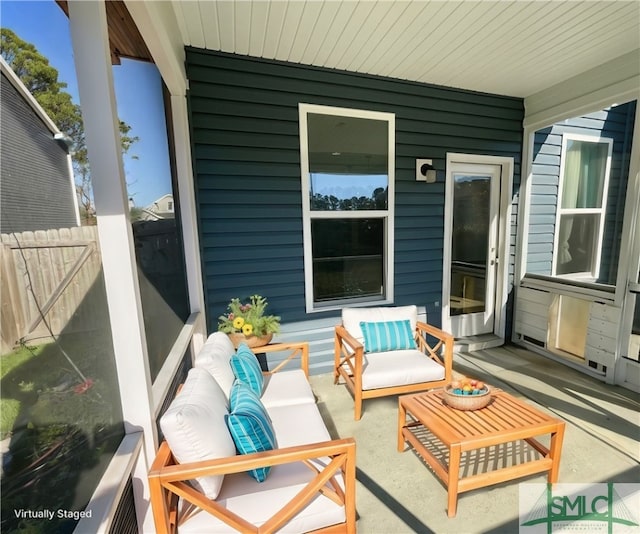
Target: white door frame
[{"x": 504, "y": 236}]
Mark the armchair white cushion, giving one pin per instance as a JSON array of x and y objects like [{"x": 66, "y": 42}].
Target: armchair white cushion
[{"x": 399, "y": 368}]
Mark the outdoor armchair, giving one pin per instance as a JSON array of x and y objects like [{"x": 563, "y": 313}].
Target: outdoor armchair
[{"x": 387, "y": 351}]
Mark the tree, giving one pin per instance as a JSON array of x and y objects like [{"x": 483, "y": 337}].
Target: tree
[{"x": 41, "y": 79}]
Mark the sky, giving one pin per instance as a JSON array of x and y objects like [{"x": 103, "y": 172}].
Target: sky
[{"x": 137, "y": 85}]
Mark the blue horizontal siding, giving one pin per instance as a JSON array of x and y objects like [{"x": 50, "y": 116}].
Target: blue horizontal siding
[{"x": 246, "y": 155}]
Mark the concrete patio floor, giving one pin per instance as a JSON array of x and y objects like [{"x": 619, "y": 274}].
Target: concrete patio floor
[{"x": 397, "y": 493}]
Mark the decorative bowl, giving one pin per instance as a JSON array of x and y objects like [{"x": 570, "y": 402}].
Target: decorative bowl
[{"x": 467, "y": 402}]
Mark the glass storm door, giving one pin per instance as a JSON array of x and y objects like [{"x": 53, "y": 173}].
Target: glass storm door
[{"x": 471, "y": 265}]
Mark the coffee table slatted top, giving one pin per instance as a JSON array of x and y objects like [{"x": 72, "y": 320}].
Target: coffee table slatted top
[{"x": 504, "y": 415}]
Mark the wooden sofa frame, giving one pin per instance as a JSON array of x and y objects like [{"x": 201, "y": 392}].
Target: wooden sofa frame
[
  {"x": 349, "y": 363},
  {"x": 168, "y": 480}
]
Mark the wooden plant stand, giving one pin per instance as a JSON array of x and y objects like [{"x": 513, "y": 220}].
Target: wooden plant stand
[{"x": 505, "y": 419}]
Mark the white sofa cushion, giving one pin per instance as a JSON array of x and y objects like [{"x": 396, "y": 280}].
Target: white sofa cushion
[
  {"x": 351, "y": 317},
  {"x": 257, "y": 502},
  {"x": 195, "y": 428},
  {"x": 214, "y": 357},
  {"x": 298, "y": 424},
  {"x": 398, "y": 368},
  {"x": 285, "y": 388}
]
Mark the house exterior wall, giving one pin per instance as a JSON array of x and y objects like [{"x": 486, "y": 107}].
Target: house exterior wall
[
  {"x": 599, "y": 339},
  {"x": 244, "y": 120},
  {"x": 36, "y": 187},
  {"x": 615, "y": 123},
  {"x": 163, "y": 206}
]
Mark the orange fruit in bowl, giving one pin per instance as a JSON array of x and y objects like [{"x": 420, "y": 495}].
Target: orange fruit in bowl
[{"x": 467, "y": 387}]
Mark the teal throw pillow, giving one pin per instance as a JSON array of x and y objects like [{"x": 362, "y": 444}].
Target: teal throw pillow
[
  {"x": 389, "y": 335},
  {"x": 246, "y": 368},
  {"x": 249, "y": 425}
]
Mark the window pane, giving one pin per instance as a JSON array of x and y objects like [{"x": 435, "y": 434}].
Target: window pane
[
  {"x": 580, "y": 163},
  {"x": 470, "y": 243},
  {"x": 577, "y": 242},
  {"x": 585, "y": 165},
  {"x": 348, "y": 259},
  {"x": 339, "y": 192},
  {"x": 154, "y": 215},
  {"x": 348, "y": 162}
]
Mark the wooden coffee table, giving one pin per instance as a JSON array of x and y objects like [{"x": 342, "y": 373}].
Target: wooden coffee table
[{"x": 504, "y": 420}]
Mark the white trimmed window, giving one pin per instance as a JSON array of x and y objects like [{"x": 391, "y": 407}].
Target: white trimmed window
[
  {"x": 582, "y": 203},
  {"x": 347, "y": 159}
]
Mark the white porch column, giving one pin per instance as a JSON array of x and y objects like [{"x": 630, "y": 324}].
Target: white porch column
[{"x": 89, "y": 35}]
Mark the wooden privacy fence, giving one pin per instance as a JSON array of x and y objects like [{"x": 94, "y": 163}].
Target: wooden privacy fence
[{"x": 47, "y": 277}]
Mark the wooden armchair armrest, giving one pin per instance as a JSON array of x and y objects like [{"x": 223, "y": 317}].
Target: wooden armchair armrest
[
  {"x": 168, "y": 480},
  {"x": 348, "y": 355},
  {"x": 344, "y": 337},
  {"x": 442, "y": 350},
  {"x": 295, "y": 349}
]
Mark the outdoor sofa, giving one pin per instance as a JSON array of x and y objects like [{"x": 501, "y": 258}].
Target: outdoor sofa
[{"x": 200, "y": 483}]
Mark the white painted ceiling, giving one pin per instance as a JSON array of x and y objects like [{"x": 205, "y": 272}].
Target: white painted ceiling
[{"x": 506, "y": 47}]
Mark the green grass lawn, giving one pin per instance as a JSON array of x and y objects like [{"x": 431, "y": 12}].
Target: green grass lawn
[
  {"x": 10, "y": 408},
  {"x": 61, "y": 418}
]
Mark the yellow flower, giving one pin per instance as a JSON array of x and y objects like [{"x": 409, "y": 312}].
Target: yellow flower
[
  {"x": 238, "y": 322},
  {"x": 247, "y": 329}
]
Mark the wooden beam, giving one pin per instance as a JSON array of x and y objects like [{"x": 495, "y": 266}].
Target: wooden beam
[{"x": 125, "y": 40}]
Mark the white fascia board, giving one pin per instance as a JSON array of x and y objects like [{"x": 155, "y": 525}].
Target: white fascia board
[{"x": 614, "y": 82}]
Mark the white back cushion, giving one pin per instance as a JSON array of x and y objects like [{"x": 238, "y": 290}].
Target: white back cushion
[
  {"x": 195, "y": 428},
  {"x": 352, "y": 317},
  {"x": 214, "y": 357}
]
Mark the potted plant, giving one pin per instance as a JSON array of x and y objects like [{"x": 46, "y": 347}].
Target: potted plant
[{"x": 246, "y": 322}]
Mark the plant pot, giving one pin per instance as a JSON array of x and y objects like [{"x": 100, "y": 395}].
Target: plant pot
[{"x": 252, "y": 341}]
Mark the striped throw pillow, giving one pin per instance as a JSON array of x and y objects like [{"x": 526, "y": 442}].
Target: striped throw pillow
[
  {"x": 246, "y": 368},
  {"x": 389, "y": 335},
  {"x": 250, "y": 425}
]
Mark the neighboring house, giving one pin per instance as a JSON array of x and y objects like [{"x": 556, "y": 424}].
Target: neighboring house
[
  {"x": 159, "y": 209},
  {"x": 38, "y": 190},
  {"x": 162, "y": 208}
]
